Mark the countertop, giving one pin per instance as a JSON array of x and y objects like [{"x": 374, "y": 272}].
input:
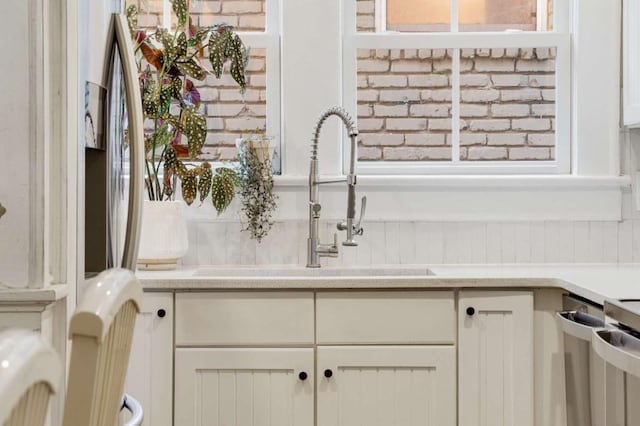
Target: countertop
[{"x": 595, "y": 282}]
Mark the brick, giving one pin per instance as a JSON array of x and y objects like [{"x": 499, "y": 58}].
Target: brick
[
  {"x": 497, "y": 65},
  {"x": 431, "y": 139},
  {"x": 365, "y": 110},
  {"x": 363, "y": 81},
  {"x": 256, "y": 64},
  {"x": 208, "y": 94},
  {"x": 395, "y": 53},
  {"x": 489, "y": 125},
  {"x": 440, "y": 124},
  {"x": 473, "y": 110},
  {"x": 424, "y": 53},
  {"x": 235, "y": 95},
  {"x": 410, "y": 53},
  {"x": 224, "y": 110},
  {"x": 474, "y": 80},
  {"x": 467, "y": 53},
  {"x": 527, "y": 53},
  {"x": 440, "y": 95},
  {"x": 215, "y": 123},
  {"x": 522, "y": 95},
  {"x": 506, "y": 138},
  {"x": 211, "y": 20},
  {"x": 527, "y": 153},
  {"x": 370, "y": 124},
  {"x": 543, "y": 110},
  {"x": 473, "y": 139},
  {"x": 227, "y": 153},
  {"x": 483, "y": 53},
  {"x": 542, "y": 80},
  {"x": 509, "y": 80},
  {"x": 252, "y": 22},
  {"x": 365, "y": 7},
  {"x": 466, "y": 65},
  {"x": 386, "y": 81},
  {"x": 486, "y": 153},
  {"x": 512, "y": 52},
  {"x": 373, "y": 65},
  {"x": 545, "y": 139},
  {"x": 258, "y": 80},
  {"x": 245, "y": 123},
  {"x": 479, "y": 95},
  {"x": 364, "y": 53},
  {"x": 400, "y": 95},
  {"x": 497, "y": 53},
  {"x": 433, "y": 80},
  {"x": 429, "y": 110},
  {"x": 381, "y": 139},
  {"x": 241, "y": 7},
  {"x": 442, "y": 65},
  {"x": 410, "y": 66},
  {"x": 438, "y": 53},
  {"x": 382, "y": 53},
  {"x": 369, "y": 153},
  {"x": 531, "y": 124},
  {"x": 390, "y": 111},
  {"x": 417, "y": 154},
  {"x": 259, "y": 110},
  {"x": 510, "y": 110},
  {"x": 548, "y": 65},
  {"x": 222, "y": 138},
  {"x": 367, "y": 95},
  {"x": 365, "y": 22},
  {"x": 406, "y": 124},
  {"x": 543, "y": 53},
  {"x": 548, "y": 94}
]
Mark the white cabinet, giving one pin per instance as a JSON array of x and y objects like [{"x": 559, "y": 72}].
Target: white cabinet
[
  {"x": 631, "y": 62},
  {"x": 495, "y": 358},
  {"x": 150, "y": 372},
  {"x": 386, "y": 386},
  {"x": 244, "y": 387}
]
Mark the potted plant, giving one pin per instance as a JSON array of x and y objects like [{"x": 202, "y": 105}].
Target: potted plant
[
  {"x": 169, "y": 63},
  {"x": 2, "y": 210}
]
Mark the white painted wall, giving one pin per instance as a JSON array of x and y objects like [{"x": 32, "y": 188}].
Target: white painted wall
[{"x": 15, "y": 143}]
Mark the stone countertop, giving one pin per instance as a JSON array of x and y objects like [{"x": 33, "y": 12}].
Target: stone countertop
[{"x": 593, "y": 282}]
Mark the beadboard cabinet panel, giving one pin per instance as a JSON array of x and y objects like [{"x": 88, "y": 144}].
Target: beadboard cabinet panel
[
  {"x": 386, "y": 386},
  {"x": 244, "y": 387},
  {"x": 495, "y": 358}
]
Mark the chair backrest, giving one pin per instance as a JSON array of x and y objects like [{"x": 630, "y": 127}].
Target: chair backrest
[
  {"x": 101, "y": 331},
  {"x": 30, "y": 371}
]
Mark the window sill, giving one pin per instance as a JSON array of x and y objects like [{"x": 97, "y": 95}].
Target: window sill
[{"x": 475, "y": 198}]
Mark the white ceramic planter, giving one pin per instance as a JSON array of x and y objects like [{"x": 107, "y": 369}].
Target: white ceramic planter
[{"x": 163, "y": 238}]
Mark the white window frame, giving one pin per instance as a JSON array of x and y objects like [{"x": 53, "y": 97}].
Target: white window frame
[{"x": 353, "y": 40}]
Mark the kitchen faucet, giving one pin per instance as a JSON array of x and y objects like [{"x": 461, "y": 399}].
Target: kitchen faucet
[{"x": 315, "y": 249}]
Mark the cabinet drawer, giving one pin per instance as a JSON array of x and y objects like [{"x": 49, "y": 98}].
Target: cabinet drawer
[
  {"x": 408, "y": 317},
  {"x": 244, "y": 318}
]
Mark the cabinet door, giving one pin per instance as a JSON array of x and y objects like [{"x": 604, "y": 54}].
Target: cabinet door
[
  {"x": 495, "y": 358},
  {"x": 386, "y": 386},
  {"x": 149, "y": 376},
  {"x": 243, "y": 387}
]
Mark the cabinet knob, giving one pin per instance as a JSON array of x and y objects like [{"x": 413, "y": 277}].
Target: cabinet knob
[
  {"x": 302, "y": 376},
  {"x": 328, "y": 373},
  {"x": 471, "y": 310},
  {"x": 162, "y": 313}
]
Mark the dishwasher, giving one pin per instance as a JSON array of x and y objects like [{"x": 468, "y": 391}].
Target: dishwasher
[
  {"x": 584, "y": 369},
  {"x": 619, "y": 347}
]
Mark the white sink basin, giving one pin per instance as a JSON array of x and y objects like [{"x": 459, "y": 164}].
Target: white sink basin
[{"x": 298, "y": 271}]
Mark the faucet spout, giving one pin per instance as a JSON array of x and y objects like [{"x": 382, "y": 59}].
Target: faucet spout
[{"x": 314, "y": 248}]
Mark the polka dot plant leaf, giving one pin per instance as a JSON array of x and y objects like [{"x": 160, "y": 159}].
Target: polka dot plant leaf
[
  {"x": 189, "y": 186},
  {"x": 195, "y": 129},
  {"x": 205, "y": 181},
  {"x": 222, "y": 191},
  {"x": 180, "y": 9}
]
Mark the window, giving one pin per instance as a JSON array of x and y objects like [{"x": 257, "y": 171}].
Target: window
[
  {"x": 230, "y": 113},
  {"x": 430, "y": 101}
]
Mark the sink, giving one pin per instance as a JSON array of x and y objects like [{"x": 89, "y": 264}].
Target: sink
[{"x": 298, "y": 271}]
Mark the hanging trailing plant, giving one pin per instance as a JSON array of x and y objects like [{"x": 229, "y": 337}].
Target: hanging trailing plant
[
  {"x": 168, "y": 64},
  {"x": 256, "y": 188}
]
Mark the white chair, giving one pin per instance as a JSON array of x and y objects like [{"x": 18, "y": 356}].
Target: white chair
[
  {"x": 101, "y": 331},
  {"x": 30, "y": 371}
]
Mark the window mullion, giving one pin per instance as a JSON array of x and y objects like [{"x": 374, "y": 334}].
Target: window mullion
[
  {"x": 455, "y": 105},
  {"x": 454, "y": 16}
]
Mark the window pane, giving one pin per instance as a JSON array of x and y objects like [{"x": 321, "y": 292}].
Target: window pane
[
  {"x": 418, "y": 15},
  {"x": 230, "y": 113},
  {"x": 404, "y": 105},
  {"x": 507, "y": 104},
  {"x": 243, "y": 15},
  {"x": 473, "y": 15},
  {"x": 497, "y": 15}
]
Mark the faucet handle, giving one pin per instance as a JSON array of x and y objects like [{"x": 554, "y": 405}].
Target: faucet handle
[{"x": 358, "y": 230}]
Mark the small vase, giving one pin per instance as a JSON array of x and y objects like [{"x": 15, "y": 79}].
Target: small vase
[{"x": 163, "y": 238}]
